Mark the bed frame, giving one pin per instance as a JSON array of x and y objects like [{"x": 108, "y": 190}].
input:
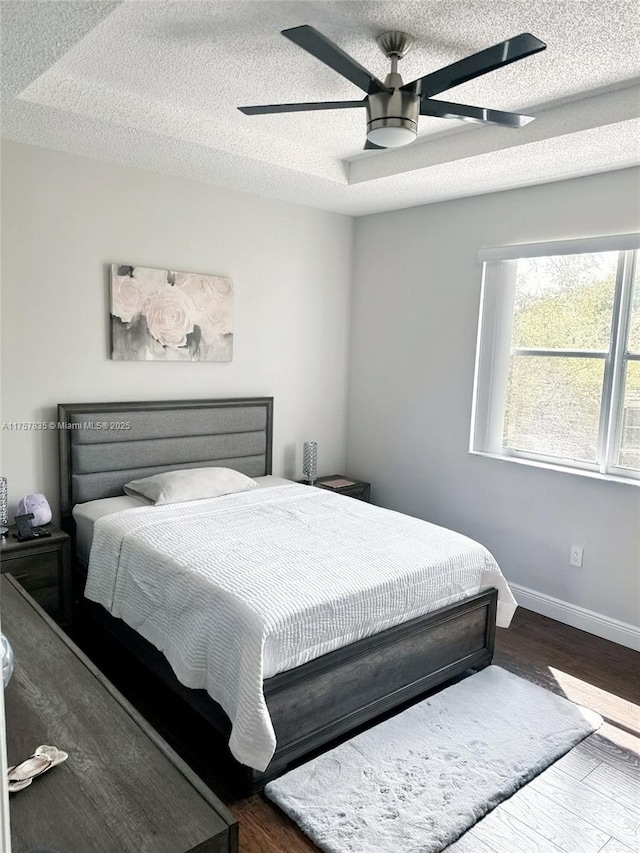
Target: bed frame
[{"x": 312, "y": 705}]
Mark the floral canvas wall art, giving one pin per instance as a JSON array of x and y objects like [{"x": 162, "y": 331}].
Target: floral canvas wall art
[{"x": 165, "y": 315}]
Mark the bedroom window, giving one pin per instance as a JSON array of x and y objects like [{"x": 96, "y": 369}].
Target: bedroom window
[{"x": 558, "y": 359}]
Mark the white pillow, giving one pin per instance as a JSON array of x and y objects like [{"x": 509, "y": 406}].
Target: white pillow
[{"x": 189, "y": 484}]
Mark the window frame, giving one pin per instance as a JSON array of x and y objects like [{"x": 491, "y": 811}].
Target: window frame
[{"x": 494, "y": 352}]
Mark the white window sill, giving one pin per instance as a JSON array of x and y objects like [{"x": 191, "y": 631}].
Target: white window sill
[{"x": 563, "y": 469}]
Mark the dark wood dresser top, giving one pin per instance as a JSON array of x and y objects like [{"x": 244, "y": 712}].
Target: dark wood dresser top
[{"x": 122, "y": 789}]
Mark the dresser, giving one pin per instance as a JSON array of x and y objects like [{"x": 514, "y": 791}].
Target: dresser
[{"x": 122, "y": 789}]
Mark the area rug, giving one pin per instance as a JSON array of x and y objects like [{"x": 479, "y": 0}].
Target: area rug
[{"x": 416, "y": 782}]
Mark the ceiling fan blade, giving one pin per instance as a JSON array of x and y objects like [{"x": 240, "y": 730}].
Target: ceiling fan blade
[
  {"x": 446, "y": 109},
  {"x": 266, "y": 109},
  {"x": 371, "y": 145},
  {"x": 309, "y": 39},
  {"x": 477, "y": 64}
]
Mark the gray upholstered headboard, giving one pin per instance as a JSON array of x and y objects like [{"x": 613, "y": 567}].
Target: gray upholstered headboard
[{"x": 104, "y": 445}]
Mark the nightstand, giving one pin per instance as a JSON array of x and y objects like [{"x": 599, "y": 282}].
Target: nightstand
[
  {"x": 43, "y": 568},
  {"x": 358, "y": 489}
]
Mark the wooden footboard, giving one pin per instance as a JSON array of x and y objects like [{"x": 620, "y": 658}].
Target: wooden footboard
[
  {"x": 338, "y": 692},
  {"x": 313, "y": 705}
]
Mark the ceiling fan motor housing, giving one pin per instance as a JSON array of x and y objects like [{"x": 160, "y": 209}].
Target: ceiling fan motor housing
[{"x": 398, "y": 108}]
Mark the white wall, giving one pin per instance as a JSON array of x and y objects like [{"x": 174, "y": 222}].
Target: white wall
[
  {"x": 415, "y": 314},
  {"x": 65, "y": 218}
]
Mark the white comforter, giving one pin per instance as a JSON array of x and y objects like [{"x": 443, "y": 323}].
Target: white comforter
[{"x": 238, "y": 588}]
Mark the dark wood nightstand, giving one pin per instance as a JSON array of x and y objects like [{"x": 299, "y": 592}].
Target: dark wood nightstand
[
  {"x": 43, "y": 568},
  {"x": 352, "y": 488}
]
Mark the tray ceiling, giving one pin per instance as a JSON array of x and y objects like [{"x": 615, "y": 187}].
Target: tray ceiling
[{"x": 156, "y": 85}]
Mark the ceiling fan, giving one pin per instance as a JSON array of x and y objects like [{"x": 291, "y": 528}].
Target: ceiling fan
[{"x": 393, "y": 107}]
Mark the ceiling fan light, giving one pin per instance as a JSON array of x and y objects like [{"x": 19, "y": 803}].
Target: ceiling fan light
[{"x": 391, "y": 136}]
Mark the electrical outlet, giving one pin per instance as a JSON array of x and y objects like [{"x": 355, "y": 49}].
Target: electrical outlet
[{"x": 575, "y": 557}]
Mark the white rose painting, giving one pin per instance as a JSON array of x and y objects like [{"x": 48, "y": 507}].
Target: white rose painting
[{"x": 164, "y": 315}]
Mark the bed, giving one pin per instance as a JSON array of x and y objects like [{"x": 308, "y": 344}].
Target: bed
[{"x": 315, "y": 701}]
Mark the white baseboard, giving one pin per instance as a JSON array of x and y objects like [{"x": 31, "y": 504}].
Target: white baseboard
[{"x": 577, "y": 617}]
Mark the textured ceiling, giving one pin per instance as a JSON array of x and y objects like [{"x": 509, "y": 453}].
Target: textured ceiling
[{"x": 156, "y": 85}]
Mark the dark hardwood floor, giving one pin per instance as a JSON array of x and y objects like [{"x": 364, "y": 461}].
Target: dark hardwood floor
[{"x": 587, "y": 802}]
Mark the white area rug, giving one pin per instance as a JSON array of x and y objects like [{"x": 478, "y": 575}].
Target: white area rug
[{"x": 416, "y": 782}]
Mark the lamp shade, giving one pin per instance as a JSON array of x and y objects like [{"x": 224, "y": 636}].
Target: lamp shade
[
  {"x": 4, "y": 506},
  {"x": 310, "y": 461}
]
